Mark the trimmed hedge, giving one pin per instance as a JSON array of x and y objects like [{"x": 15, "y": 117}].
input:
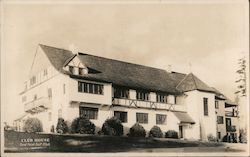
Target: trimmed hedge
[
  {"x": 61, "y": 126},
  {"x": 137, "y": 131},
  {"x": 33, "y": 125},
  {"x": 155, "y": 131},
  {"x": 113, "y": 127},
  {"x": 171, "y": 134},
  {"x": 82, "y": 125}
]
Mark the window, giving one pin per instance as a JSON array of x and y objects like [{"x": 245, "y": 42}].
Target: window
[
  {"x": 175, "y": 99},
  {"x": 71, "y": 69},
  {"x": 121, "y": 92},
  {"x": 35, "y": 97},
  {"x": 50, "y": 116},
  {"x": 161, "y": 97},
  {"x": 64, "y": 88},
  {"x": 219, "y": 135},
  {"x": 205, "y": 105},
  {"x": 90, "y": 88},
  {"x": 121, "y": 115},
  {"x": 50, "y": 93},
  {"x": 88, "y": 112},
  {"x": 83, "y": 71},
  {"x": 216, "y": 104},
  {"x": 45, "y": 72},
  {"x": 220, "y": 120},
  {"x": 142, "y": 118},
  {"x": 161, "y": 118},
  {"x": 60, "y": 113},
  {"x": 24, "y": 98},
  {"x": 142, "y": 95},
  {"x": 33, "y": 80}
]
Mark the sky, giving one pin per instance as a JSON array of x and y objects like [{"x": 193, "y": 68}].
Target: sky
[{"x": 206, "y": 39}]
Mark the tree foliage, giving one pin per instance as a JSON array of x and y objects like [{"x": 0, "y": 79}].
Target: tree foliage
[{"x": 241, "y": 81}]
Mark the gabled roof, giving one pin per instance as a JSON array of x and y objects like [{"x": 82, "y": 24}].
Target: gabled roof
[
  {"x": 191, "y": 82},
  {"x": 56, "y": 56},
  {"x": 126, "y": 74}
]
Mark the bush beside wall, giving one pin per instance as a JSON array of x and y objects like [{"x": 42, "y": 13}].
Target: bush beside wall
[
  {"x": 155, "y": 131},
  {"x": 171, "y": 134},
  {"x": 137, "y": 131},
  {"x": 33, "y": 125},
  {"x": 61, "y": 126},
  {"x": 113, "y": 127},
  {"x": 82, "y": 125}
]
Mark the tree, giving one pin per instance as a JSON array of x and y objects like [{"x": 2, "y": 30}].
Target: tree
[{"x": 241, "y": 81}]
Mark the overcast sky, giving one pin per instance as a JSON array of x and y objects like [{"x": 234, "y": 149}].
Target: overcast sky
[{"x": 209, "y": 36}]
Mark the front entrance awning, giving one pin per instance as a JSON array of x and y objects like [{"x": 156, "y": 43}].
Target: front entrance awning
[{"x": 184, "y": 117}]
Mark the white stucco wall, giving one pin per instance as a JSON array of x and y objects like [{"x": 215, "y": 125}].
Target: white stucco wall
[{"x": 204, "y": 125}]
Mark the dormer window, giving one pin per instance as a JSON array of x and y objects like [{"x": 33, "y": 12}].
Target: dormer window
[
  {"x": 71, "y": 69},
  {"x": 83, "y": 71}
]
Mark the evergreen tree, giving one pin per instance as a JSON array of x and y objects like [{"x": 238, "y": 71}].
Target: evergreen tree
[{"x": 241, "y": 81}]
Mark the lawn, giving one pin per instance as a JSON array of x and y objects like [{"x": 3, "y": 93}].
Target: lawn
[{"x": 92, "y": 143}]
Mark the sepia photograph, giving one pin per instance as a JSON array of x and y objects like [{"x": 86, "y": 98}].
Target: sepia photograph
[{"x": 125, "y": 78}]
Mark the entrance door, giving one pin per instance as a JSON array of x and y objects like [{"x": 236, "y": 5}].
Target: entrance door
[
  {"x": 180, "y": 132},
  {"x": 228, "y": 121}
]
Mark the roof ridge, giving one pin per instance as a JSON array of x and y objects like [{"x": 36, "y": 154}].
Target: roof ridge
[
  {"x": 192, "y": 75},
  {"x": 80, "y": 53},
  {"x": 181, "y": 81}
]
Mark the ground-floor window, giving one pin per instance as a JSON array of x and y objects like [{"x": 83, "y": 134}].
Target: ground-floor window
[
  {"x": 220, "y": 120},
  {"x": 218, "y": 135},
  {"x": 89, "y": 112},
  {"x": 161, "y": 118},
  {"x": 121, "y": 115},
  {"x": 142, "y": 117}
]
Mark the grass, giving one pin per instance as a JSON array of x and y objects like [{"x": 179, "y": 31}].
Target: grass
[{"x": 95, "y": 143}]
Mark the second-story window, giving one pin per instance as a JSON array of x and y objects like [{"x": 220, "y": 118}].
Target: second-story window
[
  {"x": 33, "y": 80},
  {"x": 161, "y": 97},
  {"x": 216, "y": 104},
  {"x": 92, "y": 88},
  {"x": 220, "y": 120},
  {"x": 205, "y": 106},
  {"x": 142, "y": 95},
  {"x": 121, "y": 92}
]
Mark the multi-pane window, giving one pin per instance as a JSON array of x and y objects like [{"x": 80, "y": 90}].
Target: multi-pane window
[
  {"x": 142, "y": 95},
  {"x": 88, "y": 112},
  {"x": 90, "y": 88},
  {"x": 161, "y": 118},
  {"x": 205, "y": 106},
  {"x": 122, "y": 116},
  {"x": 216, "y": 104},
  {"x": 121, "y": 92},
  {"x": 220, "y": 120},
  {"x": 33, "y": 80},
  {"x": 142, "y": 118},
  {"x": 161, "y": 97}
]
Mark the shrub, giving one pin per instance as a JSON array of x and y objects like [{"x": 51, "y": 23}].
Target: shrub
[
  {"x": 211, "y": 138},
  {"x": 61, "y": 126},
  {"x": 33, "y": 125},
  {"x": 82, "y": 125},
  {"x": 112, "y": 126},
  {"x": 171, "y": 134},
  {"x": 243, "y": 136},
  {"x": 137, "y": 131},
  {"x": 155, "y": 132}
]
